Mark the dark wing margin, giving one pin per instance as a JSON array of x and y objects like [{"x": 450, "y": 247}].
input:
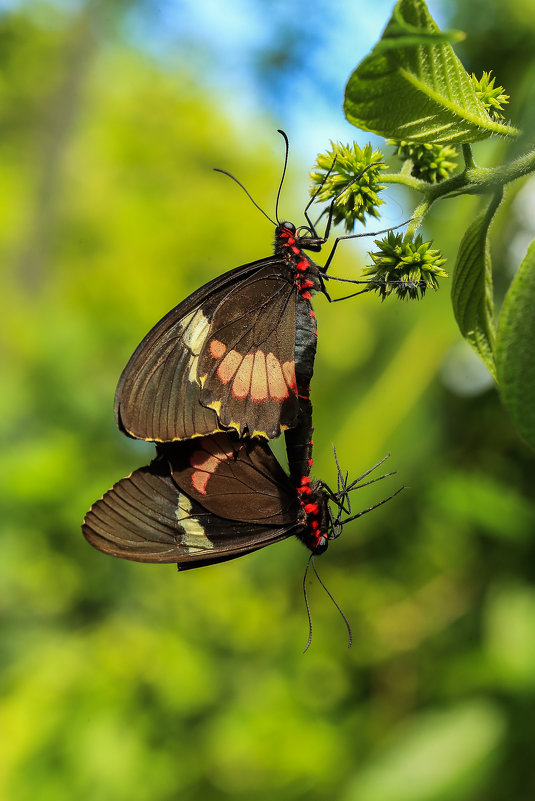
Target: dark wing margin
[{"x": 147, "y": 518}]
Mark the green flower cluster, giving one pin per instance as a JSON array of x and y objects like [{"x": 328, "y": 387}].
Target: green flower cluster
[
  {"x": 431, "y": 163},
  {"x": 492, "y": 97},
  {"x": 406, "y": 268},
  {"x": 337, "y": 169}
]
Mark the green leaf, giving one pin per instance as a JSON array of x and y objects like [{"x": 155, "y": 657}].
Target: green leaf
[
  {"x": 515, "y": 349},
  {"x": 413, "y": 86},
  {"x": 471, "y": 288},
  {"x": 440, "y": 756}
]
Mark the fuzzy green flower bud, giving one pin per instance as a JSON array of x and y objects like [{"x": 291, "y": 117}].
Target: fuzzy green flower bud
[
  {"x": 431, "y": 163},
  {"x": 361, "y": 197},
  {"x": 406, "y": 268},
  {"x": 492, "y": 97}
]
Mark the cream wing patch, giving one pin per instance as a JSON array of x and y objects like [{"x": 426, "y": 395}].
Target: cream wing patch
[
  {"x": 195, "y": 327},
  {"x": 194, "y": 539}
]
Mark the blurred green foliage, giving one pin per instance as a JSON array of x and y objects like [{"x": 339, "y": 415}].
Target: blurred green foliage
[{"x": 123, "y": 680}]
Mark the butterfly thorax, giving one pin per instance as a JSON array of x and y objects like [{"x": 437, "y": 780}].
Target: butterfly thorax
[
  {"x": 290, "y": 246},
  {"x": 313, "y": 515}
]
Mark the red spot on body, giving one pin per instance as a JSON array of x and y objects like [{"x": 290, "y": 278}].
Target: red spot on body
[
  {"x": 259, "y": 381},
  {"x": 312, "y": 509},
  {"x": 306, "y": 295},
  {"x": 217, "y": 349},
  {"x": 312, "y": 313},
  {"x": 277, "y": 385},
  {"x": 295, "y": 249},
  {"x": 307, "y": 283},
  {"x": 242, "y": 381},
  {"x": 310, "y": 462},
  {"x": 302, "y": 265},
  {"x": 229, "y": 365}
]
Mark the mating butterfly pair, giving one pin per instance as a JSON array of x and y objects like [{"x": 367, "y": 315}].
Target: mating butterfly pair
[{"x": 227, "y": 368}]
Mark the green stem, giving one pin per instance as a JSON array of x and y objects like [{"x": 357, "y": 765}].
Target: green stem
[
  {"x": 416, "y": 220},
  {"x": 473, "y": 180},
  {"x": 406, "y": 180},
  {"x": 468, "y": 156}
]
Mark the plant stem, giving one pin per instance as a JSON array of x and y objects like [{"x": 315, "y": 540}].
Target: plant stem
[{"x": 419, "y": 213}]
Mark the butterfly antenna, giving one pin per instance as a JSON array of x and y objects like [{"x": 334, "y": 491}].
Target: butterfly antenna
[
  {"x": 287, "y": 145},
  {"x": 344, "y": 618},
  {"x": 253, "y": 201},
  {"x": 307, "y": 605}
]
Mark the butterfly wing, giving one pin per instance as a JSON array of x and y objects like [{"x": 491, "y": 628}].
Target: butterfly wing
[
  {"x": 247, "y": 366},
  {"x": 224, "y": 357},
  {"x": 147, "y": 517},
  {"x": 238, "y": 479}
]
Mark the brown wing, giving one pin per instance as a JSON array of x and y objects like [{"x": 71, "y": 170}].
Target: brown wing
[
  {"x": 250, "y": 312},
  {"x": 147, "y": 518},
  {"x": 238, "y": 479},
  {"x": 247, "y": 363}
]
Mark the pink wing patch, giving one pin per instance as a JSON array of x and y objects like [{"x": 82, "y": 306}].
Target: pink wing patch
[
  {"x": 206, "y": 461},
  {"x": 256, "y": 374},
  {"x": 259, "y": 381}
]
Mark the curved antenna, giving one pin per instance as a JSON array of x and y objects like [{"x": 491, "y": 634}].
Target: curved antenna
[
  {"x": 307, "y": 605},
  {"x": 287, "y": 144},
  {"x": 217, "y": 169},
  {"x": 344, "y": 618}
]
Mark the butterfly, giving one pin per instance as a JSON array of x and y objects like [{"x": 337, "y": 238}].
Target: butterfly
[
  {"x": 236, "y": 354},
  {"x": 215, "y": 498}
]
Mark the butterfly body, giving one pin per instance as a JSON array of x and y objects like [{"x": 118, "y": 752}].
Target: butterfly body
[{"x": 230, "y": 356}]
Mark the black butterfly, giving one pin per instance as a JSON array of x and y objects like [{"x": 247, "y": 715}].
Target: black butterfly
[
  {"x": 212, "y": 499},
  {"x": 236, "y": 354}
]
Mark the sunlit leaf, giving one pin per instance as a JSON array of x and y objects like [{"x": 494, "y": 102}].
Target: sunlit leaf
[
  {"x": 515, "y": 349},
  {"x": 413, "y": 86},
  {"x": 471, "y": 288}
]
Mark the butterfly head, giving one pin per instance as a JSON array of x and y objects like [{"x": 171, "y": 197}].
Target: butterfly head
[
  {"x": 303, "y": 238},
  {"x": 327, "y": 511}
]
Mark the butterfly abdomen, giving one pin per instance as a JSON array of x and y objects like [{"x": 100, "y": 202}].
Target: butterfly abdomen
[{"x": 313, "y": 516}]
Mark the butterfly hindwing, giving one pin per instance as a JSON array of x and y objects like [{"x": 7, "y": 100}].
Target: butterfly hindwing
[
  {"x": 147, "y": 517},
  {"x": 238, "y": 479},
  {"x": 229, "y": 346}
]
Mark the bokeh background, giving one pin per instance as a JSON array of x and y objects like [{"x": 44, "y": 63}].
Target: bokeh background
[{"x": 129, "y": 681}]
